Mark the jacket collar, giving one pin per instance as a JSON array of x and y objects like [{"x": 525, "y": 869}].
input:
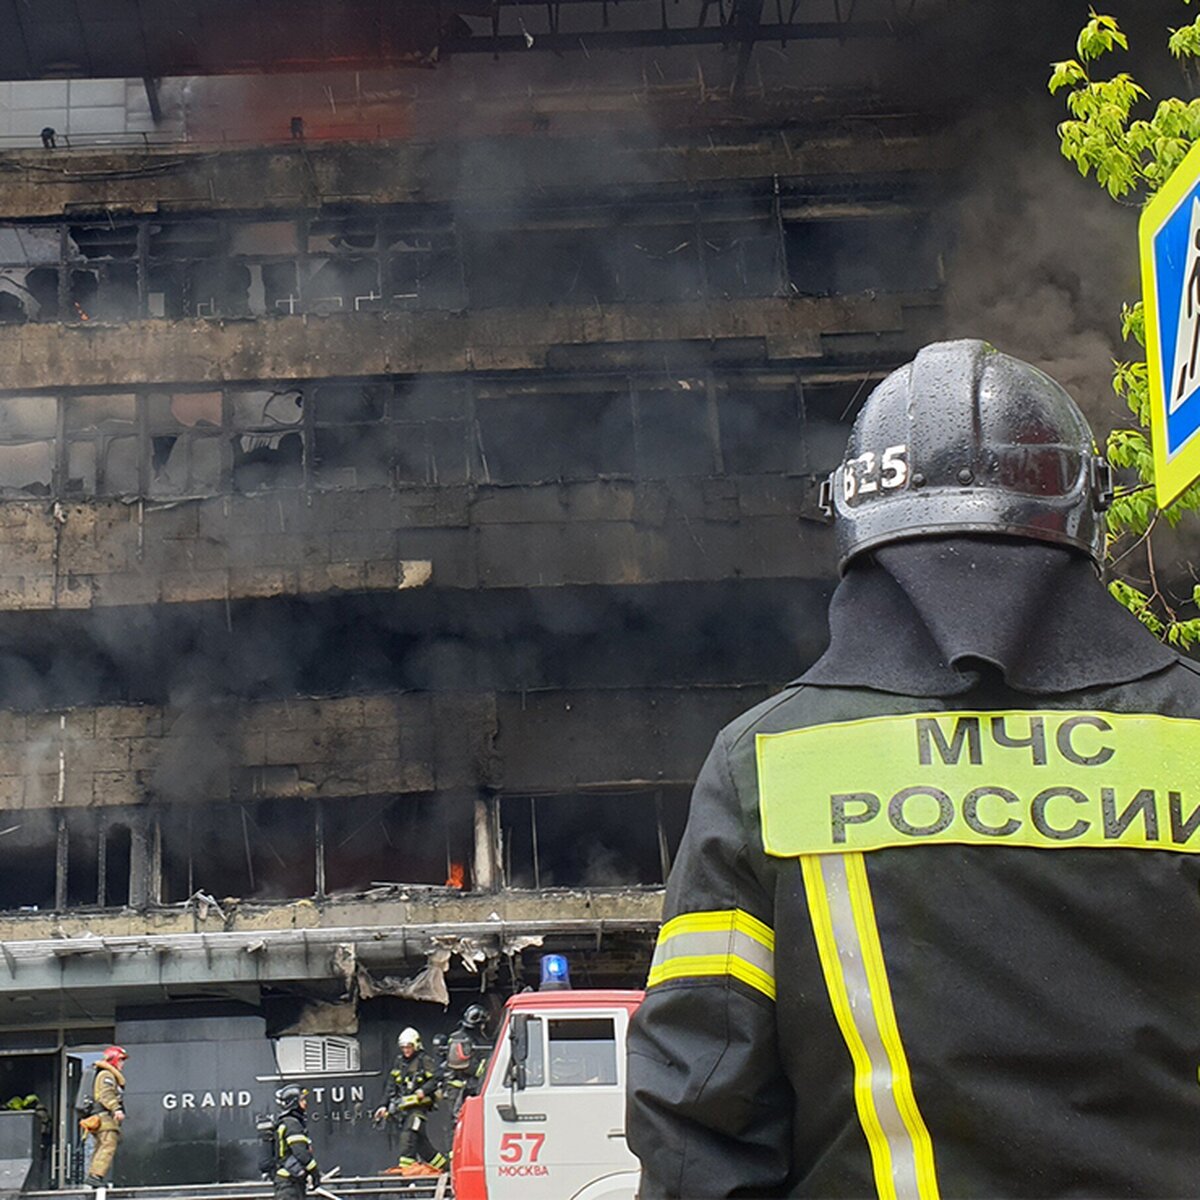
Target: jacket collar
[
  {"x": 928, "y": 617},
  {"x": 107, "y": 1066}
]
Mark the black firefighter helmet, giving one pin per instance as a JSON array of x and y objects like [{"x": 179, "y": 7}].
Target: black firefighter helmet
[
  {"x": 965, "y": 439},
  {"x": 290, "y": 1098}
]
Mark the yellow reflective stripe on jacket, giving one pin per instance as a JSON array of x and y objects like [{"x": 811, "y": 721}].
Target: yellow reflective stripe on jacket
[
  {"x": 727, "y": 943},
  {"x": 847, "y": 937},
  {"x": 299, "y": 1137},
  {"x": 720, "y": 921},
  {"x": 1049, "y": 779}
]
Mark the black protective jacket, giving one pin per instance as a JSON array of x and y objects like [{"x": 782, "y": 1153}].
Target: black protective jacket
[
  {"x": 464, "y": 1065},
  {"x": 294, "y": 1157},
  {"x": 407, "y": 1077},
  {"x": 965, "y": 968}
]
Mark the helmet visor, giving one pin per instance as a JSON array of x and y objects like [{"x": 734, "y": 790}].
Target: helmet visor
[{"x": 1039, "y": 470}]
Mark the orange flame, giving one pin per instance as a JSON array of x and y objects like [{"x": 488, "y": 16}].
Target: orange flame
[{"x": 457, "y": 875}]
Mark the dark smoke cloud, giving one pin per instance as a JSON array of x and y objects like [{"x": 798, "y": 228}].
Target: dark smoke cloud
[{"x": 1041, "y": 259}]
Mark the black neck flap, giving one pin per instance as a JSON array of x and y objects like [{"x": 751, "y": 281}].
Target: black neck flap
[{"x": 928, "y": 617}]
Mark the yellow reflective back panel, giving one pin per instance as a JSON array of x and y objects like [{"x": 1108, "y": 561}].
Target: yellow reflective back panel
[{"x": 1050, "y": 779}]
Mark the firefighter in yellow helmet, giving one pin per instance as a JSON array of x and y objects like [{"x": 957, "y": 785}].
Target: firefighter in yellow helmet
[
  {"x": 933, "y": 928},
  {"x": 410, "y": 1096},
  {"x": 108, "y": 1105}
]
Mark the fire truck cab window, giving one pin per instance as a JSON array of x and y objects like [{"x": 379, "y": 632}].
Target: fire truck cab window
[
  {"x": 535, "y": 1062},
  {"x": 583, "y": 1052},
  {"x": 535, "y": 1065}
]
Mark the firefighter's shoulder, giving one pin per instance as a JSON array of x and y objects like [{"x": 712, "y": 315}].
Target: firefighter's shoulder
[
  {"x": 1192, "y": 668},
  {"x": 1172, "y": 692},
  {"x": 799, "y": 705}
]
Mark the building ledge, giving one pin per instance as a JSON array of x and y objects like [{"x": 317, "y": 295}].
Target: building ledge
[
  {"x": 265, "y": 944},
  {"x": 108, "y": 553},
  {"x": 217, "y": 351},
  {"x": 183, "y": 177}
]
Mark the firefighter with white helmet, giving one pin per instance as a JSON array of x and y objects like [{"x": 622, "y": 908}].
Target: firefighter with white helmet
[
  {"x": 933, "y": 927},
  {"x": 410, "y": 1096}
]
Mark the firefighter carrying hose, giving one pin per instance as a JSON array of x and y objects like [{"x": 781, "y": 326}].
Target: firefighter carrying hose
[
  {"x": 933, "y": 927},
  {"x": 106, "y": 1113},
  {"x": 295, "y": 1165},
  {"x": 410, "y": 1096}
]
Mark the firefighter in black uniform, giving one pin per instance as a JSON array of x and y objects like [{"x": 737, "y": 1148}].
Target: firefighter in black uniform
[
  {"x": 295, "y": 1163},
  {"x": 466, "y": 1057},
  {"x": 933, "y": 929},
  {"x": 410, "y": 1096}
]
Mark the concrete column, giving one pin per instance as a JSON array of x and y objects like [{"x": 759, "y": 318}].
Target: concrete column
[
  {"x": 141, "y": 860},
  {"x": 484, "y": 867}
]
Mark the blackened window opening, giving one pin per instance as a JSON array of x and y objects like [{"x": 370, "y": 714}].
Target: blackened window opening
[
  {"x": 408, "y": 840},
  {"x": 261, "y": 850},
  {"x": 367, "y": 433},
  {"x": 118, "y": 859},
  {"x": 597, "y": 839},
  {"x": 760, "y": 240},
  {"x": 27, "y": 859}
]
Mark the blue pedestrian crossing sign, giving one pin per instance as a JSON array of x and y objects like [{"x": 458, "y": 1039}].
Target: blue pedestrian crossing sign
[{"x": 1169, "y": 239}]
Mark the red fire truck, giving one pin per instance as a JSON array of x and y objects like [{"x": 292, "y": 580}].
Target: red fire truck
[{"x": 549, "y": 1122}]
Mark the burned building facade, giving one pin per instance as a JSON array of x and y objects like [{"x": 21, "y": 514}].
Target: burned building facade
[{"x": 387, "y": 524}]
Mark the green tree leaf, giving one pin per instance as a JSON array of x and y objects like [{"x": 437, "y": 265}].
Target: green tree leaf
[{"x": 1066, "y": 74}]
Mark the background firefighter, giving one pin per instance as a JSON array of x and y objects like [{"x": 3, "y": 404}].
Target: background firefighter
[
  {"x": 465, "y": 1058},
  {"x": 410, "y": 1095},
  {"x": 991, "y": 991},
  {"x": 108, "y": 1113},
  {"x": 295, "y": 1163}
]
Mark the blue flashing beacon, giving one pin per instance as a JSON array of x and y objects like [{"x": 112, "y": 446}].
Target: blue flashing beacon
[{"x": 556, "y": 976}]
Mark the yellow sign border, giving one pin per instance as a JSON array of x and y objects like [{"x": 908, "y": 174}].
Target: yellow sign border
[{"x": 1174, "y": 473}]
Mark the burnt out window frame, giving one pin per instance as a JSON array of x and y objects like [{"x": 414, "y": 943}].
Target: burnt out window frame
[
  {"x": 174, "y": 856},
  {"x": 454, "y": 824},
  {"x": 20, "y": 288},
  {"x": 669, "y": 806},
  {"x": 110, "y": 270},
  {"x": 767, "y": 210},
  {"x": 919, "y": 270},
  {"x": 101, "y": 441},
  {"x": 76, "y": 854},
  {"x": 579, "y": 412},
  {"x": 743, "y": 404},
  {"x": 430, "y": 432},
  {"x": 372, "y": 219},
  {"x": 233, "y": 433},
  {"x": 56, "y": 440},
  {"x": 319, "y": 426},
  {"x": 219, "y": 435},
  {"x": 434, "y": 240}
]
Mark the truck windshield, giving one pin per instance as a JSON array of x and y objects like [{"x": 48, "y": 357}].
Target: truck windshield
[{"x": 583, "y": 1052}]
